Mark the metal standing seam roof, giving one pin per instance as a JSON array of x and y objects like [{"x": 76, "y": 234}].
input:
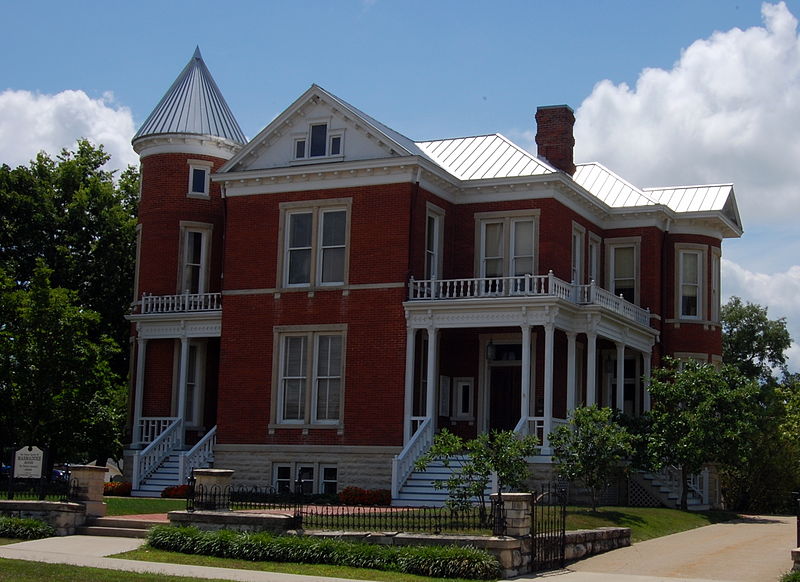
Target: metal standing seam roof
[
  {"x": 483, "y": 157},
  {"x": 193, "y": 105},
  {"x": 608, "y": 187},
  {"x": 692, "y": 198}
]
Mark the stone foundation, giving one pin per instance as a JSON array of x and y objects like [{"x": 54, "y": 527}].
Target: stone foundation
[
  {"x": 64, "y": 517},
  {"x": 366, "y": 467},
  {"x": 796, "y": 560}
]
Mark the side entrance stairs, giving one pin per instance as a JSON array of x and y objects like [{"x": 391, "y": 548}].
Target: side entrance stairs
[
  {"x": 663, "y": 490},
  {"x": 419, "y": 489}
]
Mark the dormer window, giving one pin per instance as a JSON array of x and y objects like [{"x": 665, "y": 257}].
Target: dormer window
[{"x": 319, "y": 142}]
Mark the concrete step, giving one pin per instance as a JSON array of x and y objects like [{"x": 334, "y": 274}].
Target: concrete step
[{"x": 118, "y": 532}]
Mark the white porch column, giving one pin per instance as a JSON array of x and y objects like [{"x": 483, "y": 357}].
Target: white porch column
[
  {"x": 141, "y": 354},
  {"x": 571, "y": 386},
  {"x": 182, "y": 373},
  {"x": 525, "y": 406},
  {"x": 549, "y": 333},
  {"x": 648, "y": 358},
  {"x": 620, "y": 375},
  {"x": 408, "y": 404},
  {"x": 433, "y": 371},
  {"x": 591, "y": 368}
]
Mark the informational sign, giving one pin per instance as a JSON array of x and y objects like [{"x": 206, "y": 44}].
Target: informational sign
[{"x": 28, "y": 463}]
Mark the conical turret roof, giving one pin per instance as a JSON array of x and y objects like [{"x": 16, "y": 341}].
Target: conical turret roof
[{"x": 193, "y": 105}]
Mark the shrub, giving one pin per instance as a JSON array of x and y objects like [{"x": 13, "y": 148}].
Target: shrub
[
  {"x": 25, "y": 529},
  {"x": 176, "y": 492},
  {"x": 438, "y": 561},
  {"x": 117, "y": 488},
  {"x": 358, "y": 496},
  {"x": 791, "y": 577}
]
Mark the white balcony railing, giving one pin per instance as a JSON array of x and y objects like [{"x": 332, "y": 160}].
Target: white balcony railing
[
  {"x": 183, "y": 302},
  {"x": 525, "y": 286}
]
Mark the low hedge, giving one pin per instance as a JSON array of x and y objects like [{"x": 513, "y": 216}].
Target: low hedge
[
  {"x": 25, "y": 529},
  {"x": 434, "y": 561},
  {"x": 117, "y": 488}
]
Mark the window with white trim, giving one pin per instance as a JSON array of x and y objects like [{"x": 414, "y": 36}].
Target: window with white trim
[
  {"x": 282, "y": 478},
  {"x": 623, "y": 268},
  {"x": 199, "y": 179},
  {"x": 593, "y": 259},
  {"x": 311, "y": 377},
  {"x": 715, "y": 284},
  {"x": 319, "y": 141},
  {"x": 578, "y": 237},
  {"x": 195, "y": 255},
  {"x": 328, "y": 479},
  {"x": 315, "y": 244},
  {"x": 463, "y": 390},
  {"x": 434, "y": 222},
  {"x": 690, "y": 272},
  {"x": 506, "y": 243},
  {"x": 195, "y": 382}
]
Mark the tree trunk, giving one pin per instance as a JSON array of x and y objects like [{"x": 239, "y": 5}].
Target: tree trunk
[{"x": 684, "y": 488}]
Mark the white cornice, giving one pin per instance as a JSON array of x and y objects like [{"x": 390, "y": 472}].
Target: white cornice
[{"x": 181, "y": 143}]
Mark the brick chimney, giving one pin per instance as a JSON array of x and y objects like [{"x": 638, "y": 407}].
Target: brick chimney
[{"x": 554, "y": 138}]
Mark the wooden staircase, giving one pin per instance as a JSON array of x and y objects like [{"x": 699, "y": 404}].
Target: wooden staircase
[
  {"x": 667, "y": 491},
  {"x": 420, "y": 490},
  {"x": 165, "y": 475}
]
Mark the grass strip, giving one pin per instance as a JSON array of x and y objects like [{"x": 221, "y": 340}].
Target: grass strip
[
  {"x": 141, "y": 505},
  {"x": 26, "y": 571}
]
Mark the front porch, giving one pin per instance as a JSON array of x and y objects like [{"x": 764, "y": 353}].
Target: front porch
[{"x": 516, "y": 353}]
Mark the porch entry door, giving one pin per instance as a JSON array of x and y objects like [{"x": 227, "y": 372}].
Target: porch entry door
[{"x": 505, "y": 386}]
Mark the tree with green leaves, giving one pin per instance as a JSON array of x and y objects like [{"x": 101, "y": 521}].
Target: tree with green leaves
[
  {"x": 57, "y": 387},
  {"x": 72, "y": 214},
  {"x": 591, "y": 449},
  {"x": 500, "y": 453},
  {"x": 700, "y": 414},
  {"x": 751, "y": 341}
]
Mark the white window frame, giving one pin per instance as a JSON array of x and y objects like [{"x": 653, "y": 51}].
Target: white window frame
[
  {"x": 305, "y": 138},
  {"x": 322, "y": 480},
  {"x": 276, "y": 468},
  {"x": 205, "y": 167},
  {"x": 433, "y": 256},
  {"x": 317, "y": 209},
  {"x": 681, "y": 251},
  {"x": 205, "y": 230},
  {"x": 716, "y": 281},
  {"x": 578, "y": 253},
  {"x": 508, "y": 255},
  {"x": 593, "y": 260},
  {"x": 611, "y": 247},
  {"x": 459, "y": 412},
  {"x": 195, "y": 418},
  {"x": 311, "y": 335}
]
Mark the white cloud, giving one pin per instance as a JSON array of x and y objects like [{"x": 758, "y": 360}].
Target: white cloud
[
  {"x": 727, "y": 111},
  {"x": 32, "y": 122},
  {"x": 779, "y": 292}
]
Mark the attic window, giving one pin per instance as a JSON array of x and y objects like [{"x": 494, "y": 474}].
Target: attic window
[
  {"x": 319, "y": 142},
  {"x": 199, "y": 173}
]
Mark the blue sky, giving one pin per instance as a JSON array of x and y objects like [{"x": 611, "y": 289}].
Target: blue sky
[{"x": 665, "y": 93}]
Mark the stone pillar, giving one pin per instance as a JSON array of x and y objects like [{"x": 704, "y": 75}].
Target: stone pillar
[
  {"x": 517, "y": 507},
  {"x": 89, "y": 481},
  {"x": 212, "y": 488}
]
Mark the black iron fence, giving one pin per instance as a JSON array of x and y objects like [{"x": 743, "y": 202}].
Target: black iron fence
[
  {"x": 313, "y": 513},
  {"x": 53, "y": 485},
  {"x": 548, "y": 527}
]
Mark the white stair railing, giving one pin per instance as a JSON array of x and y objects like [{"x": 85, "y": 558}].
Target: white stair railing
[
  {"x": 403, "y": 463},
  {"x": 150, "y": 427},
  {"x": 698, "y": 484},
  {"x": 147, "y": 460},
  {"x": 199, "y": 455}
]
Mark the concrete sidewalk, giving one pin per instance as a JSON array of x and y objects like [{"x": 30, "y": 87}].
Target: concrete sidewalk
[{"x": 755, "y": 549}]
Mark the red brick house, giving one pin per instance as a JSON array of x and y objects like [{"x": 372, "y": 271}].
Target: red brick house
[{"x": 319, "y": 300}]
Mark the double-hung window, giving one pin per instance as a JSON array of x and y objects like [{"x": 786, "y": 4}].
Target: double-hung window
[
  {"x": 315, "y": 244},
  {"x": 433, "y": 242},
  {"x": 195, "y": 252},
  {"x": 690, "y": 270},
  {"x": 623, "y": 268},
  {"x": 593, "y": 260},
  {"x": 311, "y": 375},
  {"x": 578, "y": 237},
  {"x": 506, "y": 243}
]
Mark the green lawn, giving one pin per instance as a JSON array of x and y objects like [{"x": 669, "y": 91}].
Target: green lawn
[
  {"x": 645, "y": 522},
  {"x": 4, "y": 541},
  {"x": 139, "y": 505},
  {"x": 24, "y": 571}
]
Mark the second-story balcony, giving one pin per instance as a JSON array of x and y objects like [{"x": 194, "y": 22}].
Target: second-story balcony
[
  {"x": 522, "y": 286},
  {"x": 181, "y": 303}
]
